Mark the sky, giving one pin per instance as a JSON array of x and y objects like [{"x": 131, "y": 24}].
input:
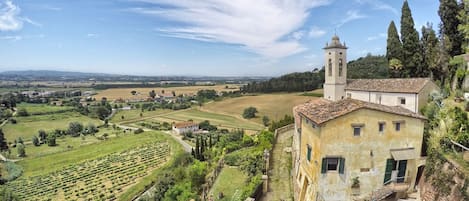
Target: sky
[{"x": 194, "y": 37}]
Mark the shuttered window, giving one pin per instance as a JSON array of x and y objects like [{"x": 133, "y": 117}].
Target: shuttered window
[
  {"x": 308, "y": 154},
  {"x": 333, "y": 164}
]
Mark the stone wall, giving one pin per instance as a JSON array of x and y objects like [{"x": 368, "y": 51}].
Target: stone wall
[{"x": 447, "y": 183}]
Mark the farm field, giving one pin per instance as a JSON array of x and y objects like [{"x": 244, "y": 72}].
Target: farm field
[
  {"x": 220, "y": 120},
  {"x": 41, "y": 108},
  {"x": 27, "y": 127},
  {"x": 65, "y": 143},
  {"x": 102, "y": 178},
  {"x": 131, "y": 115},
  {"x": 275, "y": 106},
  {"x": 142, "y": 93},
  {"x": 230, "y": 182},
  {"x": 54, "y": 162}
]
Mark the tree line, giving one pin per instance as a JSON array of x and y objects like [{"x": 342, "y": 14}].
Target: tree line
[
  {"x": 293, "y": 82},
  {"x": 431, "y": 53}
]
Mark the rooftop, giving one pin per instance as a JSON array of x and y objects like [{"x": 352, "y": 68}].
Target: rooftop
[
  {"x": 185, "y": 124},
  {"x": 322, "y": 110},
  {"x": 395, "y": 85}
]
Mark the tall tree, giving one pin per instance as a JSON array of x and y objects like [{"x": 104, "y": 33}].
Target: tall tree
[
  {"x": 394, "y": 44},
  {"x": 463, "y": 28},
  {"x": 448, "y": 12},
  {"x": 3, "y": 141},
  {"x": 430, "y": 44},
  {"x": 411, "y": 50}
]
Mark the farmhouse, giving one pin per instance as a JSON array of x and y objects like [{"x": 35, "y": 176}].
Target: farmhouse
[
  {"x": 363, "y": 139},
  {"x": 185, "y": 127},
  {"x": 339, "y": 142},
  {"x": 410, "y": 93}
]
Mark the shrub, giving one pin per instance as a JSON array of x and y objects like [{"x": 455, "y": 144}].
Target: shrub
[
  {"x": 249, "y": 112},
  {"x": 13, "y": 121},
  {"x": 22, "y": 112},
  {"x": 466, "y": 106},
  {"x": 138, "y": 131},
  {"x": 21, "y": 150}
]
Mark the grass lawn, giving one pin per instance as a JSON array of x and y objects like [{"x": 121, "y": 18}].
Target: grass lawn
[
  {"x": 220, "y": 120},
  {"x": 53, "y": 162},
  {"x": 41, "y": 108},
  {"x": 130, "y": 115},
  {"x": 275, "y": 106},
  {"x": 230, "y": 182},
  {"x": 27, "y": 127},
  {"x": 64, "y": 143},
  {"x": 142, "y": 93}
]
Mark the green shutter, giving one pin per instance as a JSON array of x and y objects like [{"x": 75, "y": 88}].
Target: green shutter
[
  {"x": 341, "y": 165},
  {"x": 309, "y": 153},
  {"x": 389, "y": 166},
  {"x": 324, "y": 166},
  {"x": 401, "y": 171}
]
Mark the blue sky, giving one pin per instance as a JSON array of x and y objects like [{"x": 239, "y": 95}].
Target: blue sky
[{"x": 193, "y": 37}]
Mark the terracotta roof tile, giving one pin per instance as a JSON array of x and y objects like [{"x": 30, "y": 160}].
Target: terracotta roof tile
[
  {"x": 396, "y": 85},
  {"x": 185, "y": 124},
  {"x": 321, "y": 110}
]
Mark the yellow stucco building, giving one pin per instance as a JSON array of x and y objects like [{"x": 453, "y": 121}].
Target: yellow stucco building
[
  {"x": 349, "y": 140},
  {"x": 363, "y": 139}
]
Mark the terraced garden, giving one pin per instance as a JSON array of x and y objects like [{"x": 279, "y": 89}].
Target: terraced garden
[{"x": 103, "y": 178}]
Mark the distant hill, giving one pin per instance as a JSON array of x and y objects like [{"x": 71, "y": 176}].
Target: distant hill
[{"x": 50, "y": 75}]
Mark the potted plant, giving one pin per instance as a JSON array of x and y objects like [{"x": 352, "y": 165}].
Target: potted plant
[{"x": 356, "y": 186}]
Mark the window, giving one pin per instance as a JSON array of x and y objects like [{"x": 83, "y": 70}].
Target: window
[
  {"x": 330, "y": 67},
  {"x": 349, "y": 95},
  {"x": 356, "y": 131},
  {"x": 333, "y": 164},
  {"x": 308, "y": 154},
  {"x": 340, "y": 67},
  {"x": 381, "y": 127},
  {"x": 398, "y": 126},
  {"x": 357, "y": 128},
  {"x": 402, "y": 101}
]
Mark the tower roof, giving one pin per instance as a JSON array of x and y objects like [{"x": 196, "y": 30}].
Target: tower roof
[{"x": 335, "y": 43}]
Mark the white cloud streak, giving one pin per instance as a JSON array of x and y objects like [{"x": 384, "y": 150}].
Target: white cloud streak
[
  {"x": 379, "y": 5},
  {"x": 351, "y": 15},
  {"x": 9, "y": 16},
  {"x": 379, "y": 36},
  {"x": 10, "y": 19},
  {"x": 316, "y": 32},
  {"x": 15, "y": 38},
  {"x": 265, "y": 27}
]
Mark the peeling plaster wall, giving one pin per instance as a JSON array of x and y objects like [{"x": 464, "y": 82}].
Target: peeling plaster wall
[{"x": 335, "y": 138}]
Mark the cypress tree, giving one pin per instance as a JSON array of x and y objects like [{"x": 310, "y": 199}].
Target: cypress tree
[
  {"x": 448, "y": 12},
  {"x": 197, "y": 149},
  {"x": 394, "y": 45},
  {"x": 430, "y": 50},
  {"x": 3, "y": 141},
  {"x": 411, "y": 50}
]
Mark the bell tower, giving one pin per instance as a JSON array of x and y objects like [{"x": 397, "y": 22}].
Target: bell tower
[{"x": 335, "y": 54}]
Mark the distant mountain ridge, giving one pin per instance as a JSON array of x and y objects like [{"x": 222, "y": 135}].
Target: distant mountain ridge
[{"x": 52, "y": 75}]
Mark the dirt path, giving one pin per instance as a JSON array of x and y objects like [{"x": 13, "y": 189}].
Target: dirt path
[{"x": 279, "y": 175}]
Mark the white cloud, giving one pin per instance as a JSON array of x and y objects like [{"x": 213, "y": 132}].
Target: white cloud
[
  {"x": 92, "y": 35},
  {"x": 10, "y": 19},
  {"x": 298, "y": 35},
  {"x": 21, "y": 37},
  {"x": 316, "y": 32},
  {"x": 265, "y": 27},
  {"x": 379, "y": 36},
  {"x": 350, "y": 16},
  {"x": 9, "y": 16},
  {"x": 379, "y": 5}
]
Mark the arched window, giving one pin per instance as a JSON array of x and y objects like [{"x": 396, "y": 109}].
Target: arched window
[
  {"x": 330, "y": 67},
  {"x": 340, "y": 67}
]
